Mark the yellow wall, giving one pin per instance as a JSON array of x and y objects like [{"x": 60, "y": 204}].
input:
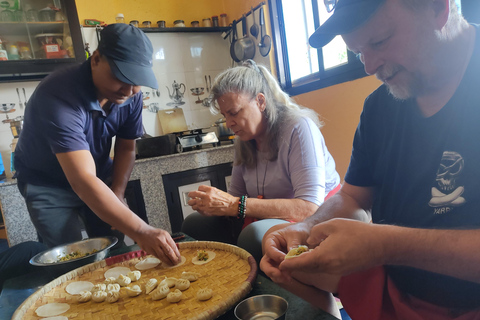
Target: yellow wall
[
  {"x": 171, "y": 10},
  {"x": 339, "y": 107}
]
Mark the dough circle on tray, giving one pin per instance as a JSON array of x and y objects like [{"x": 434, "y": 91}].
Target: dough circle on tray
[
  {"x": 56, "y": 318},
  {"x": 211, "y": 256},
  {"x": 78, "y": 286},
  {"x": 52, "y": 309},
  {"x": 148, "y": 263},
  {"x": 182, "y": 261},
  {"x": 116, "y": 272}
]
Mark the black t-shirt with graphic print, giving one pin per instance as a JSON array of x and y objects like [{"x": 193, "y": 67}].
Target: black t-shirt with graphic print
[{"x": 426, "y": 174}]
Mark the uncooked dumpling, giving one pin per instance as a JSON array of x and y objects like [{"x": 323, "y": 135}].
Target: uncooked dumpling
[
  {"x": 116, "y": 272},
  {"x": 52, "y": 309},
  {"x": 99, "y": 296},
  {"x": 204, "y": 294},
  {"x": 151, "y": 284},
  {"x": 170, "y": 282},
  {"x": 85, "y": 296},
  {"x": 113, "y": 296},
  {"x": 148, "y": 263},
  {"x": 160, "y": 293},
  {"x": 99, "y": 287},
  {"x": 134, "y": 275},
  {"x": 78, "y": 286},
  {"x": 295, "y": 252},
  {"x": 133, "y": 291},
  {"x": 190, "y": 276},
  {"x": 123, "y": 280},
  {"x": 203, "y": 256},
  {"x": 174, "y": 296},
  {"x": 182, "y": 284},
  {"x": 110, "y": 280},
  {"x": 113, "y": 287},
  {"x": 56, "y": 318}
]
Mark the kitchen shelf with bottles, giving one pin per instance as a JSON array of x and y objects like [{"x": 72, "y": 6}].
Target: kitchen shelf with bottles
[
  {"x": 42, "y": 46},
  {"x": 187, "y": 29}
]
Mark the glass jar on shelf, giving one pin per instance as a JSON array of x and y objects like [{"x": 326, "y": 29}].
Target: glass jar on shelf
[
  {"x": 120, "y": 18},
  {"x": 215, "y": 21},
  {"x": 223, "y": 20},
  {"x": 206, "y": 22}
]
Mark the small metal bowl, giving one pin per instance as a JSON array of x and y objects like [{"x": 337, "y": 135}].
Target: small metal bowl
[
  {"x": 49, "y": 258},
  {"x": 262, "y": 307}
]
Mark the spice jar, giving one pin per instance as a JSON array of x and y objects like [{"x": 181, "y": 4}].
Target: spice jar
[
  {"x": 146, "y": 24},
  {"x": 223, "y": 20},
  {"x": 215, "y": 21},
  {"x": 161, "y": 23},
  {"x": 120, "y": 18},
  {"x": 195, "y": 24},
  {"x": 134, "y": 23},
  {"x": 206, "y": 22},
  {"x": 179, "y": 23}
]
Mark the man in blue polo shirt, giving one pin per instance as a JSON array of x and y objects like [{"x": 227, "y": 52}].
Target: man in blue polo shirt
[{"x": 63, "y": 154}]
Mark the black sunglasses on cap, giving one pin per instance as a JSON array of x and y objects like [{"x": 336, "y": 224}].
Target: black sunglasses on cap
[{"x": 330, "y": 5}]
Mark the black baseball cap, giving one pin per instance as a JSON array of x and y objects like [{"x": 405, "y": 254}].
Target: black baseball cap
[
  {"x": 129, "y": 53},
  {"x": 348, "y": 16}
]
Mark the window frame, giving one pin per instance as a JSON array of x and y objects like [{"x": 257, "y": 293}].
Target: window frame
[{"x": 318, "y": 80}]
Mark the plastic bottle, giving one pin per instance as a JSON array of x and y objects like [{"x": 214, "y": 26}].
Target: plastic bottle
[
  {"x": 120, "y": 18},
  {"x": 13, "y": 52},
  {"x": 3, "y": 52}
]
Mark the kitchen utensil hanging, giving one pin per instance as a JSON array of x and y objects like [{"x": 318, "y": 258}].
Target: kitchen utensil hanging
[
  {"x": 265, "y": 41},
  {"x": 245, "y": 47},
  {"x": 232, "y": 45},
  {"x": 254, "y": 27},
  {"x": 19, "y": 100}
]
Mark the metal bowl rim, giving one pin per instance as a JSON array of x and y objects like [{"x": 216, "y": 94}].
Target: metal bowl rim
[
  {"x": 258, "y": 296},
  {"x": 113, "y": 241}
]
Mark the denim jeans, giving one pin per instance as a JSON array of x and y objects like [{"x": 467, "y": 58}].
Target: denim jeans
[{"x": 59, "y": 215}]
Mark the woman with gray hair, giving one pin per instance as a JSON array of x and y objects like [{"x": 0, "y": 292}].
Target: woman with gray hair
[{"x": 282, "y": 169}]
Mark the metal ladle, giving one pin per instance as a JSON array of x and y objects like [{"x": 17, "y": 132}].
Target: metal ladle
[{"x": 254, "y": 27}]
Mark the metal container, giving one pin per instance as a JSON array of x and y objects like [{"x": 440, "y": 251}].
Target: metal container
[
  {"x": 222, "y": 129},
  {"x": 49, "y": 258},
  {"x": 262, "y": 307}
]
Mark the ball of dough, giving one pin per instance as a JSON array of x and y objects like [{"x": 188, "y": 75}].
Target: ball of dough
[
  {"x": 99, "y": 296},
  {"x": 123, "y": 280},
  {"x": 110, "y": 280},
  {"x": 113, "y": 287},
  {"x": 85, "y": 296},
  {"x": 113, "y": 296},
  {"x": 99, "y": 287}
]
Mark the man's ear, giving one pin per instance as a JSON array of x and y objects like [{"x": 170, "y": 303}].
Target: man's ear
[
  {"x": 441, "y": 10},
  {"x": 95, "y": 58}
]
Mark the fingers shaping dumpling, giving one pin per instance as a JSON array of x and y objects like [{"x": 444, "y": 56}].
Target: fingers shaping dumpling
[
  {"x": 204, "y": 294},
  {"x": 99, "y": 296},
  {"x": 133, "y": 291},
  {"x": 161, "y": 292},
  {"x": 123, "y": 280},
  {"x": 99, "y": 287},
  {"x": 113, "y": 296},
  {"x": 134, "y": 275},
  {"x": 113, "y": 287},
  {"x": 170, "y": 282},
  {"x": 182, "y": 284},
  {"x": 295, "y": 252},
  {"x": 151, "y": 284},
  {"x": 190, "y": 276},
  {"x": 174, "y": 296},
  {"x": 85, "y": 296}
]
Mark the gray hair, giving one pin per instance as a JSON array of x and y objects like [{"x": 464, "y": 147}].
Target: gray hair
[
  {"x": 455, "y": 23},
  {"x": 252, "y": 79}
]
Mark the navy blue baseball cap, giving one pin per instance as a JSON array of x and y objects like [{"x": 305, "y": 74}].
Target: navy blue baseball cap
[
  {"x": 129, "y": 53},
  {"x": 348, "y": 16}
]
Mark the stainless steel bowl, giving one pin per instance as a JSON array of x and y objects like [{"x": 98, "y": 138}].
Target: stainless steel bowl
[
  {"x": 262, "y": 307},
  {"x": 50, "y": 257}
]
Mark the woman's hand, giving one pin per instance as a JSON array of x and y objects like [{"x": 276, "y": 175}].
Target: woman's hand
[{"x": 211, "y": 201}]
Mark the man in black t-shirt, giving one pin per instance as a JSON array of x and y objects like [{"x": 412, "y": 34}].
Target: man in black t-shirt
[{"x": 413, "y": 172}]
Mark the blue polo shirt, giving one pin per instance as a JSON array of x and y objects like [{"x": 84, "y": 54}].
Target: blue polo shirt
[{"x": 64, "y": 115}]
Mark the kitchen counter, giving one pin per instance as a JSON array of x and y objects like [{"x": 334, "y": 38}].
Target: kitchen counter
[{"x": 149, "y": 171}]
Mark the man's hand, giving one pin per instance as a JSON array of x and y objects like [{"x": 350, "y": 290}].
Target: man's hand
[
  {"x": 341, "y": 247},
  {"x": 211, "y": 201},
  {"x": 159, "y": 243}
]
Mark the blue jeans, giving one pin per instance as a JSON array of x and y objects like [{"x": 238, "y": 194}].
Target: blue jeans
[{"x": 58, "y": 213}]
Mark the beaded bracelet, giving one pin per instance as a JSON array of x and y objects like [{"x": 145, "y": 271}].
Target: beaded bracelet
[{"x": 242, "y": 207}]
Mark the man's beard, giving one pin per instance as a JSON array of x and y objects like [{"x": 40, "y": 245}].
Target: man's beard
[{"x": 401, "y": 90}]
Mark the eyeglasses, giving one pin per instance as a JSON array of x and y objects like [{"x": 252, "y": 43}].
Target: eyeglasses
[{"x": 330, "y": 5}]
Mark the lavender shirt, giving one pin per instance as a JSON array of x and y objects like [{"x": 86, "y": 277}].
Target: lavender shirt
[{"x": 304, "y": 168}]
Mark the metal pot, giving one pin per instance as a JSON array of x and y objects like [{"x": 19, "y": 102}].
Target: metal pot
[{"x": 222, "y": 129}]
